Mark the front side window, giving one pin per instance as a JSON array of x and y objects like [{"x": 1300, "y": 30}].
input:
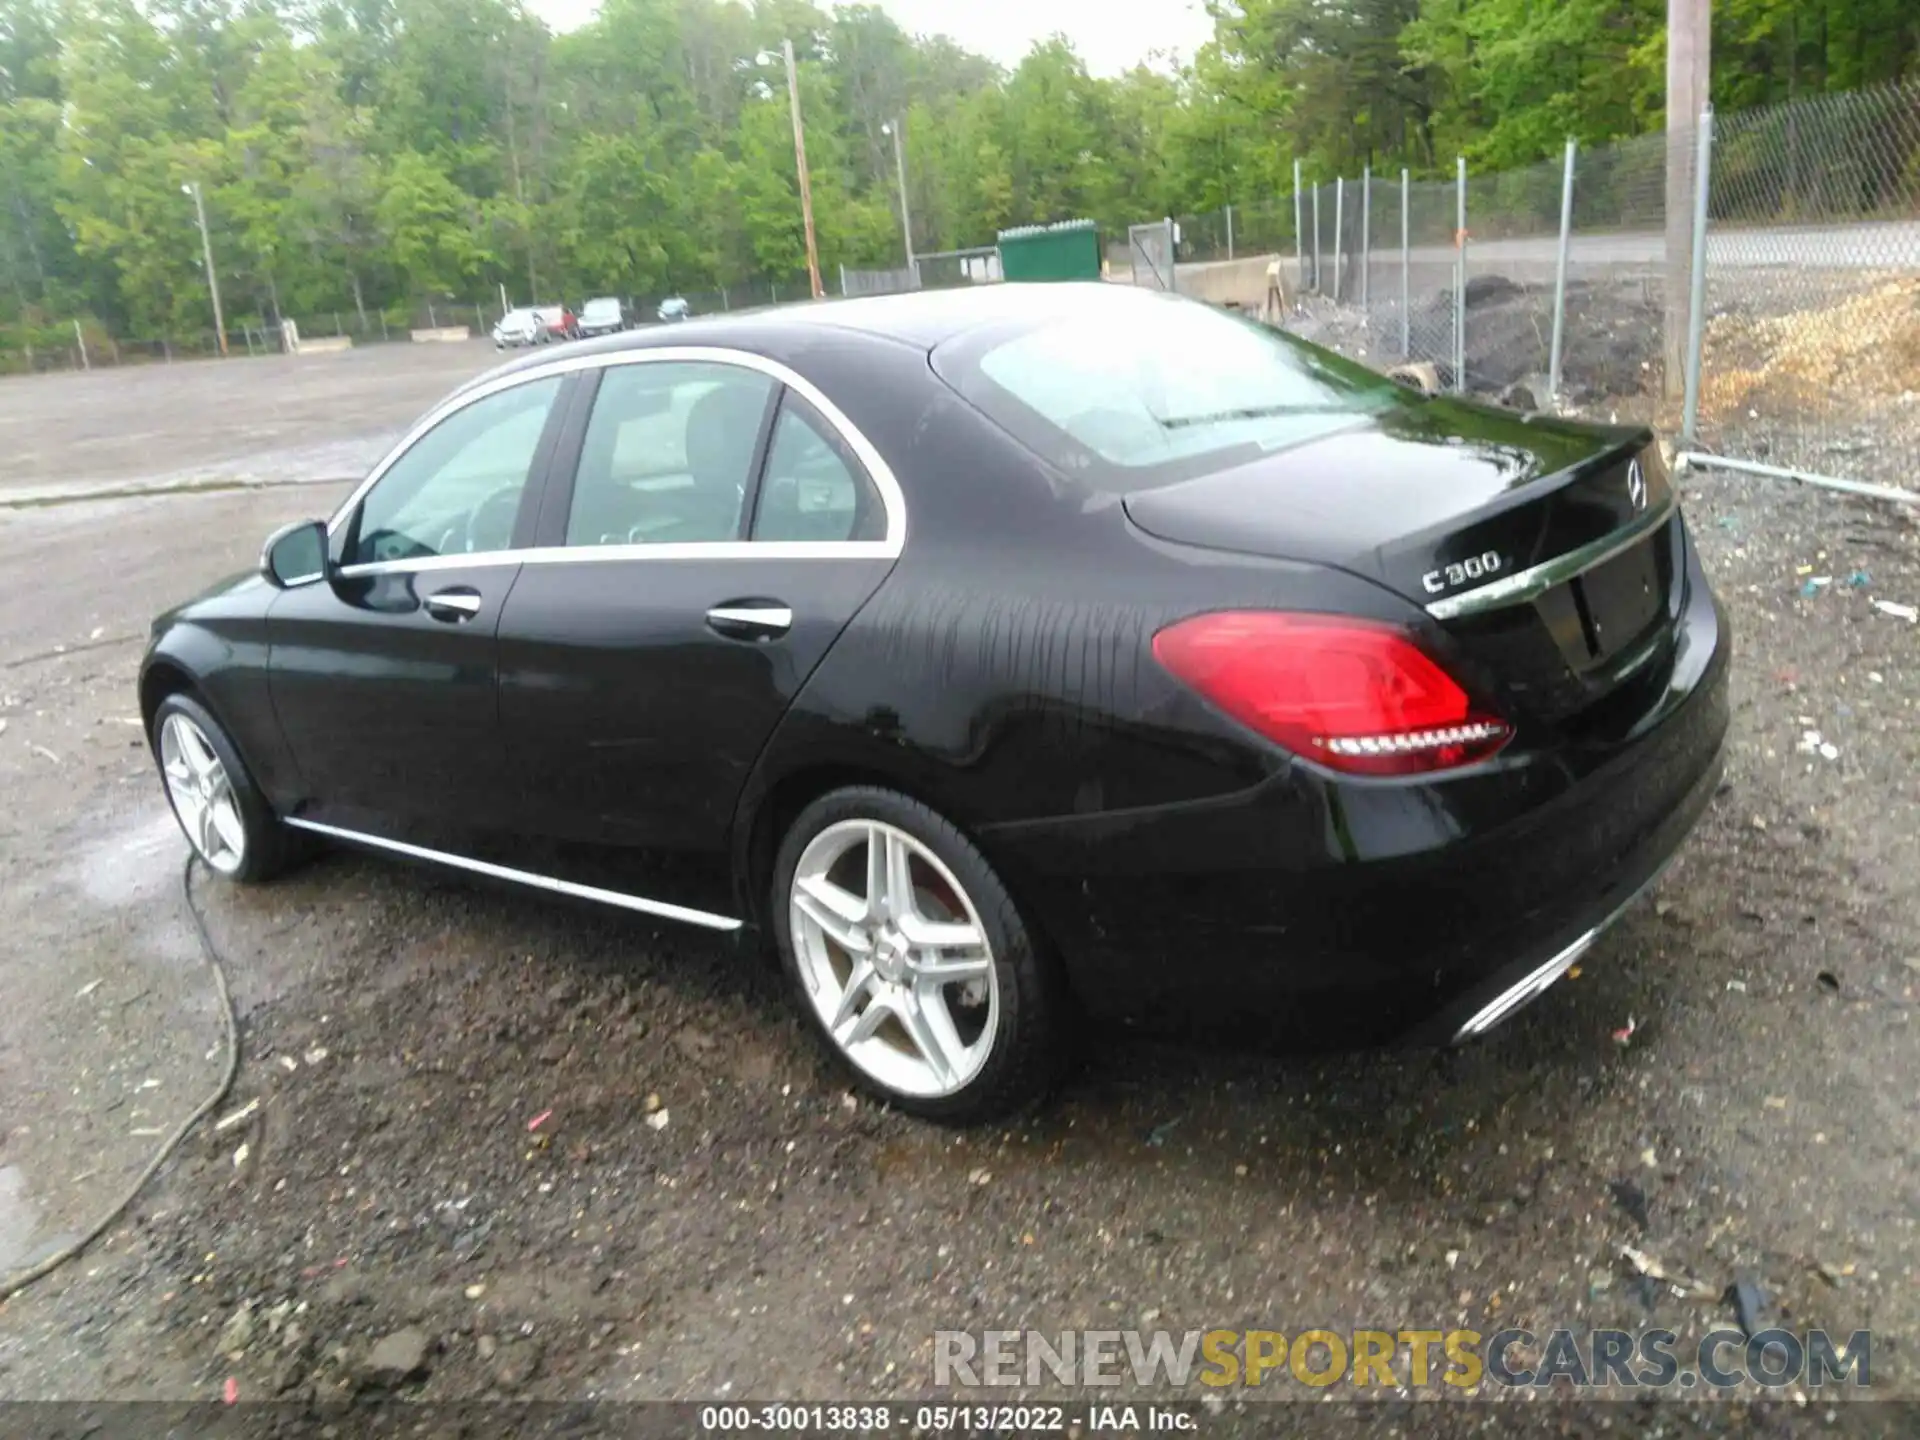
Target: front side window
[
  {"x": 813, "y": 487},
  {"x": 1139, "y": 389},
  {"x": 668, "y": 454},
  {"x": 457, "y": 489}
]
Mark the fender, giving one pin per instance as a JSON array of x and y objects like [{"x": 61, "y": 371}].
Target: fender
[{"x": 217, "y": 644}]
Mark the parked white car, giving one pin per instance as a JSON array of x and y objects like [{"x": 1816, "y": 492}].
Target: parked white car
[
  {"x": 518, "y": 327},
  {"x": 533, "y": 325}
]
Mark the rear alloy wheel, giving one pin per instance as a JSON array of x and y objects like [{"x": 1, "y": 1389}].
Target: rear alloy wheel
[
  {"x": 224, "y": 817},
  {"x": 911, "y": 959}
]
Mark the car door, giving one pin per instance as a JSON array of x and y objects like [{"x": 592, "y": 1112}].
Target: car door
[
  {"x": 383, "y": 675},
  {"x": 721, "y": 524}
]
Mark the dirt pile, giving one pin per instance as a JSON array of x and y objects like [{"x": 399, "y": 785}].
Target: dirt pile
[{"x": 1865, "y": 345}]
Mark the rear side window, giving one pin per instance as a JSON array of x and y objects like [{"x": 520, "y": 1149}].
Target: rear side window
[
  {"x": 813, "y": 488},
  {"x": 1141, "y": 389}
]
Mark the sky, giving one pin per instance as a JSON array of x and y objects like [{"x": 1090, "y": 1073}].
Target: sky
[{"x": 1111, "y": 35}]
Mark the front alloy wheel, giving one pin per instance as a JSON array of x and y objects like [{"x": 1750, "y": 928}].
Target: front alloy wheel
[
  {"x": 202, "y": 794},
  {"x": 911, "y": 957},
  {"x": 225, "y": 818}
]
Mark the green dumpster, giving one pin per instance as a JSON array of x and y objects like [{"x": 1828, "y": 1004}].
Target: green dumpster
[{"x": 1065, "y": 250}]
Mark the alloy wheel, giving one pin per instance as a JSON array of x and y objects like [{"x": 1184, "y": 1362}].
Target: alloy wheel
[
  {"x": 202, "y": 794},
  {"x": 894, "y": 958}
]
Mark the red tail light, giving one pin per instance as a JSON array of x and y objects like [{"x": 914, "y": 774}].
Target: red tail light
[{"x": 1352, "y": 695}]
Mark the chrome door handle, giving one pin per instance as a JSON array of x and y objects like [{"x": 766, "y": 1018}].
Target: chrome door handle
[
  {"x": 751, "y": 619},
  {"x": 459, "y": 603}
]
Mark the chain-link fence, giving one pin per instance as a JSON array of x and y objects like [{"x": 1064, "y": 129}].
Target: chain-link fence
[
  {"x": 1613, "y": 335},
  {"x": 1151, "y": 251},
  {"x": 1574, "y": 279},
  {"x": 1811, "y": 344},
  {"x": 1408, "y": 269},
  {"x": 941, "y": 270},
  {"x": 86, "y": 344}
]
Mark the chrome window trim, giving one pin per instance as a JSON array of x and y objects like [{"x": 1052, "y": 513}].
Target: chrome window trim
[
  {"x": 704, "y": 918},
  {"x": 590, "y": 554},
  {"x": 1532, "y": 583},
  {"x": 892, "y": 499}
]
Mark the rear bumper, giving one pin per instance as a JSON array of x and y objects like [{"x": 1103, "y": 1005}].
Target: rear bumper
[
  {"x": 1511, "y": 988},
  {"x": 1320, "y": 908}
]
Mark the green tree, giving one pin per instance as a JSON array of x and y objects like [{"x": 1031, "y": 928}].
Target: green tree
[{"x": 431, "y": 226}]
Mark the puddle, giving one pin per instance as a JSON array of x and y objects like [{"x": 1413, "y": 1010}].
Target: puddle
[{"x": 134, "y": 865}]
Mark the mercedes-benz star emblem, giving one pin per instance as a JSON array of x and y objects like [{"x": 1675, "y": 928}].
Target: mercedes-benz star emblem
[{"x": 1636, "y": 486}]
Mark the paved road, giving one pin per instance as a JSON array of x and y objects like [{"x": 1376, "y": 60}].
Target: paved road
[
  {"x": 266, "y": 420},
  {"x": 1892, "y": 245}
]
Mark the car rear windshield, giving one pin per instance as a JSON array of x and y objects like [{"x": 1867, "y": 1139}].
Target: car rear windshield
[
  {"x": 1137, "y": 391},
  {"x": 601, "y": 309}
]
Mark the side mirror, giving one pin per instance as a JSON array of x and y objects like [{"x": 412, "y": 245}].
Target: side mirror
[{"x": 296, "y": 554}]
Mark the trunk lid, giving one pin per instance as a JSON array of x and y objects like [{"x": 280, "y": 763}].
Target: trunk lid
[{"x": 1548, "y": 551}]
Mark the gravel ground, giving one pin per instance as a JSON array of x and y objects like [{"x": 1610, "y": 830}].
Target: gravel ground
[{"x": 703, "y": 1211}]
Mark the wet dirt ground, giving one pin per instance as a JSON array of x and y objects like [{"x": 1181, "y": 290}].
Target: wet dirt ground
[{"x": 775, "y": 1238}]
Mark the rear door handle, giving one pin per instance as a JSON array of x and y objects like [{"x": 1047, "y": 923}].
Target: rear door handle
[
  {"x": 751, "y": 619},
  {"x": 461, "y": 602}
]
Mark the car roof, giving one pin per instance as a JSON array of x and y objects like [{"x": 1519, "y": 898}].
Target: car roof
[
  {"x": 922, "y": 319},
  {"x": 927, "y": 318}
]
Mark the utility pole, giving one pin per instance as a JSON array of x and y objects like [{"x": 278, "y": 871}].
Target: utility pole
[
  {"x": 900, "y": 165},
  {"x": 1689, "y": 64},
  {"x": 192, "y": 187},
  {"x": 800, "y": 162}
]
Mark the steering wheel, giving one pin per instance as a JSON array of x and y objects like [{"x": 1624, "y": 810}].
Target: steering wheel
[{"x": 497, "y": 510}]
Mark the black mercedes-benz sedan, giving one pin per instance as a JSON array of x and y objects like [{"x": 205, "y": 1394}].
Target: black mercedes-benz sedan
[{"x": 993, "y": 657}]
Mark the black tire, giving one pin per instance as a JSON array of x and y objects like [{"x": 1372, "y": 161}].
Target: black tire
[
  {"x": 1029, "y": 1040},
  {"x": 268, "y": 847}
]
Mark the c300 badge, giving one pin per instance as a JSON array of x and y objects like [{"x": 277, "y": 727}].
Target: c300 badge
[{"x": 1449, "y": 577}]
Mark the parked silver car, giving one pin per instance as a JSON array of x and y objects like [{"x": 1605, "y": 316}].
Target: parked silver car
[{"x": 601, "y": 316}]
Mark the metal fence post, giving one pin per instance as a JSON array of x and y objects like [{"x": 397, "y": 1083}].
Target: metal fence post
[
  {"x": 1406, "y": 267},
  {"x": 843, "y": 277},
  {"x": 1697, "y": 301},
  {"x": 1339, "y": 236},
  {"x": 1173, "y": 263},
  {"x": 1316, "y": 237},
  {"x": 1366, "y": 233},
  {"x": 1560, "y": 276},
  {"x": 1460, "y": 279},
  {"x": 1229, "y": 232},
  {"x": 81, "y": 340},
  {"x": 1299, "y": 231}
]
